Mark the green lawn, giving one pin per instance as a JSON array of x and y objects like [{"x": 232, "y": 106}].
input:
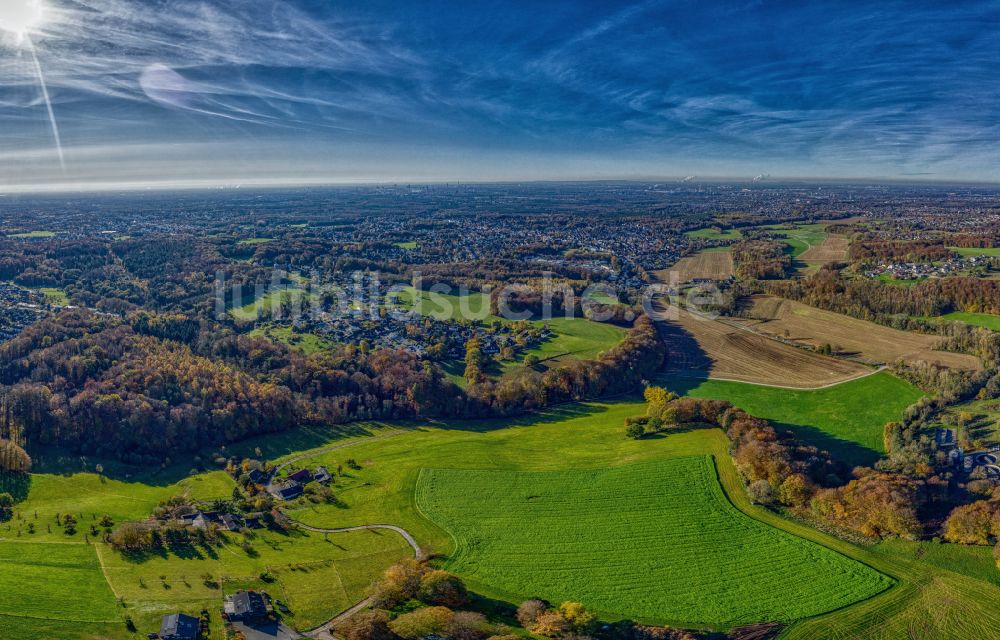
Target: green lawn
[
  {"x": 846, "y": 419},
  {"x": 650, "y": 541},
  {"x": 972, "y": 251},
  {"x": 712, "y": 233},
  {"x": 603, "y": 297},
  {"x": 409, "y": 246}
]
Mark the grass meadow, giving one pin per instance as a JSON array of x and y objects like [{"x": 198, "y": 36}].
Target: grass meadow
[
  {"x": 651, "y": 541},
  {"x": 974, "y": 251},
  {"x": 846, "y": 419},
  {"x": 985, "y": 320},
  {"x": 713, "y": 233},
  {"x": 626, "y": 502}
]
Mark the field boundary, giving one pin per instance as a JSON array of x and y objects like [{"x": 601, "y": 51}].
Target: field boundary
[{"x": 828, "y": 385}]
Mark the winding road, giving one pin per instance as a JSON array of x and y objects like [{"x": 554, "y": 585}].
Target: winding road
[{"x": 325, "y": 630}]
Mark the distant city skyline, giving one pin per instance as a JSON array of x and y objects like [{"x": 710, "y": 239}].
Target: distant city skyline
[{"x": 203, "y": 93}]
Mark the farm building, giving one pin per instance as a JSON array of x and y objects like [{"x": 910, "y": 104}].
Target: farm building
[
  {"x": 286, "y": 490},
  {"x": 178, "y": 626},
  {"x": 245, "y": 606}
]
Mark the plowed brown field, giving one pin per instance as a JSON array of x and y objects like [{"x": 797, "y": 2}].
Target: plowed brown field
[
  {"x": 833, "y": 249},
  {"x": 867, "y": 341},
  {"x": 716, "y": 350},
  {"x": 707, "y": 265}
]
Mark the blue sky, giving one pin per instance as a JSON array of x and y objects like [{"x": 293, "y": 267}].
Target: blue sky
[{"x": 266, "y": 91}]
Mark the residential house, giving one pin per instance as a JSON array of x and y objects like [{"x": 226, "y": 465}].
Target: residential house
[
  {"x": 178, "y": 626},
  {"x": 245, "y": 606}
]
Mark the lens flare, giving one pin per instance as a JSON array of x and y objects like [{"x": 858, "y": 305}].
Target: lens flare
[{"x": 21, "y": 17}]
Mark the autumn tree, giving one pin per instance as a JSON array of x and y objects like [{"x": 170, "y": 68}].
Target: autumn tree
[
  {"x": 13, "y": 459},
  {"x": 367, "y": 625},
  {"x": 974, "y": 523},
  {"x": 423, "y": 622},
  {"x": 579, "y": 619},
  {"x": 529, "y": 610},
  {"x": 442, "y": 588}
]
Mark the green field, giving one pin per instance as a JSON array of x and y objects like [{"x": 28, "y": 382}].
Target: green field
[
  {"x": 984, "y": 428},
  {"x": 574, "y": 339},
  {"x": 942, "y": 591},
  {"x": 972, "y": 251},
  {"x": 712, "y": 233},
  {"x": 33, "y": 235},
  {"x": 985, "y": 320},
  {"x": 54, "y": 582},
  {"x": 54, "y": 296},
  {"x": 650, "y": 541},
  {"x": 440, "y": 306},
  {"x": 846, "y": 419},
  {"x": 316, "y": 577},
  {"x": 409, "y": 246},
  {"x": 801, "y": 237},
  {"x": 252, "y": 242},
  {"x": 938, "y": 602},
  {"x": 307, "y": 342},
  {"x": 265, "y": 306}
]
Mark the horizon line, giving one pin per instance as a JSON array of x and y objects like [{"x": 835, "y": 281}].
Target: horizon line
[{"x": 167, "y": 186}]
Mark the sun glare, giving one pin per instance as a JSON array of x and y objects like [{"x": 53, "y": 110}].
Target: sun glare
[{"x": 20, "y": 17}]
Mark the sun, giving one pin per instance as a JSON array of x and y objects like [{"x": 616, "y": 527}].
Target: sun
[{"x": 20, "y": 17}]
